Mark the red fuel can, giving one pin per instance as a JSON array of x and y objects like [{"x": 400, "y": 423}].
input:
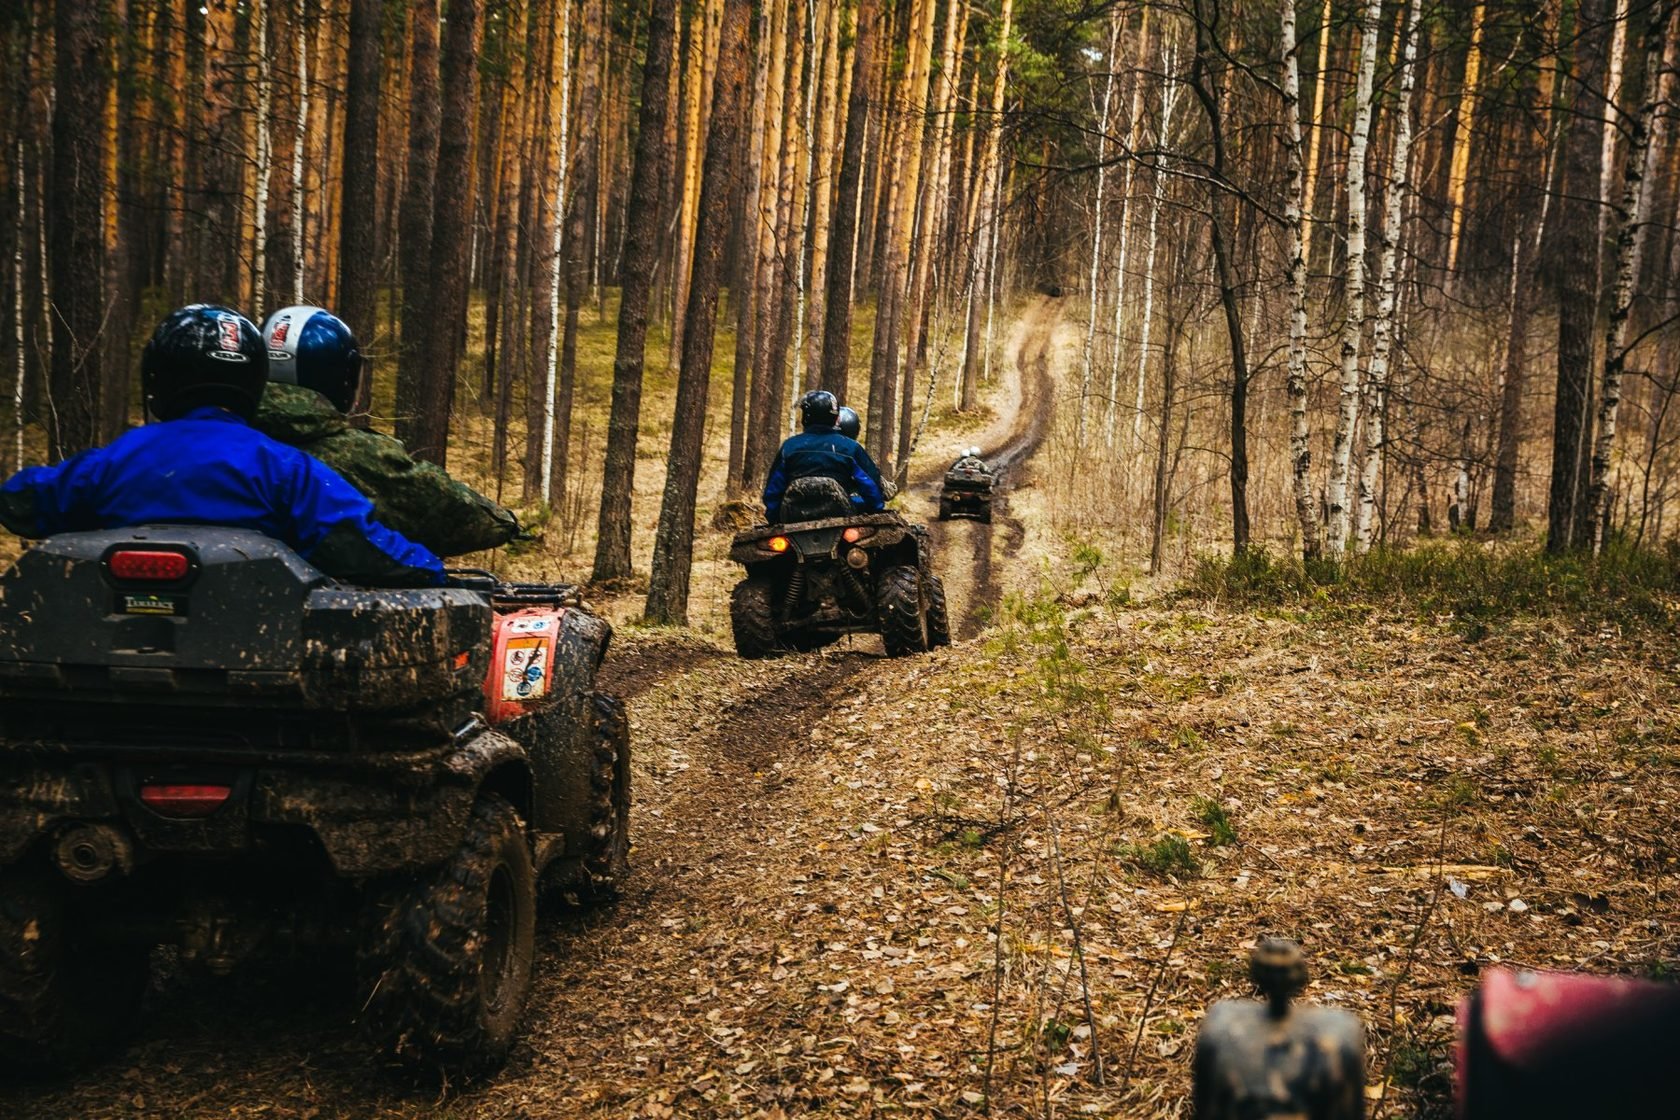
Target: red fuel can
[{"x": 521, "y": 661}]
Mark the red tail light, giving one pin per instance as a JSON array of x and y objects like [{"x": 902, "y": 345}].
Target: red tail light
[
  {"x": 184, "y": 800},
  {"x": 158, "y": 566}
]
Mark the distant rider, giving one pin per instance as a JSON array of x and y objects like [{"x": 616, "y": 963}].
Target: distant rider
[
  {"x": 202, "y": 463},
  {"x": 821, "y": 451},
  {"x": 314, "y": 372}
]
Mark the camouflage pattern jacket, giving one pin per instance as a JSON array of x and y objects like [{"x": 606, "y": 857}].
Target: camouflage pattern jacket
[{"x": 415, "y": 498}]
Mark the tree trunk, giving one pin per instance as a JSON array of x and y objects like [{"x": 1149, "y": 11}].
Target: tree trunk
[
  {"x": 1571, "y": 266},
  {"x": 358, "y": 254},
  {"x": 452, "y": 205},
  {"x": 1382, "y": 335},
  {"x": 1321, "y": 79},
  {"x": 415, "y": 221},
  {"x": 985, "y": 232},
  {"x": 75, "y": 227},
  {"x": 1510, "y": 402},
  {"x": 1630, "y": 242},
  {"x": 837, "y": 318},
  {"x": 1227, "y": 286},
  {"x": 586, "y": 176},
  {"x": 1089, "y": 356},
  {"x": 745, "y": 291},
  {"x": 641, "y": 252},
  {"x": 1300, "y": 445},
  {"x": 823, "y": 204},
  {"x": 1341, "y": 452},
  {"x": 1462, "y": 135},
  {"x": 1169, "y": 101},
  {"x": 1120, "y": 284},
  {"x": 673, "y": 550}
]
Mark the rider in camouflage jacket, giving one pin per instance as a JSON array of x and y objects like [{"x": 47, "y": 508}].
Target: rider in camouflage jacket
[{"x": 414, "y": 497}]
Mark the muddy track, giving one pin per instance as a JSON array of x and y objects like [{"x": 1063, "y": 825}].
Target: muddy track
[
  {"x": 629, "y": 673},
  {"x": 977, "y": 591}
]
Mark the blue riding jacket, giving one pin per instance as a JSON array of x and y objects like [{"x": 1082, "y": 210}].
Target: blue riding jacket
[
  {"x": 209, "y": 467},
  {"x": 824, "y": 454}
]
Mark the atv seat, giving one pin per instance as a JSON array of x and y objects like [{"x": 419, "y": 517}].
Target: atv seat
[{"x": 813, "y": 499}]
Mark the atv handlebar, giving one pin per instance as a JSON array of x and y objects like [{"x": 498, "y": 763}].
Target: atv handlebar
[{"x": 514, "y": 595}]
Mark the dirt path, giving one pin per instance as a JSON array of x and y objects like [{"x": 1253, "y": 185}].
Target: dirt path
[
  {"x": 964, "y": 550},
  {"x": 698, "y": 992}
]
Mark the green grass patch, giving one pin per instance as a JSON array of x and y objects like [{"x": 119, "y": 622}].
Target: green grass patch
[
  {"x": 1473, "y": 581},
  {"x": 1214, "y": 818},
  {"x": 1168, "y": 854}
]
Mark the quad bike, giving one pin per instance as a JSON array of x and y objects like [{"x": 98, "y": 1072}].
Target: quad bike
[
  {"x": 967, "y": 490},
  {"x": 827, "y": 571},
  {"x": 207, "y": 743}
]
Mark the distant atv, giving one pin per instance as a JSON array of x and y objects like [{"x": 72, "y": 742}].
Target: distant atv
[
  {"x": 827, "y": 571},
  {"x": 205, "y": 742},
  {"x": 968, "y": 488}
]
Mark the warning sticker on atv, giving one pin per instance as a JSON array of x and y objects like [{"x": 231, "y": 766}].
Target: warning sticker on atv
[
  {"x": 529, "y": 625},
  {"x": 525, "y": 669},
  {"x": 152, "y": 604}
]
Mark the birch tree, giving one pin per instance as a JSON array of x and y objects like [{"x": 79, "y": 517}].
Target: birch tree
[
  {"x": 1382, "y": 332},
  {"x": 1089, "y": 355},
  {"x": 985, "y": 227},
  {"x": 1163, "y": 139},
  {"x": 1630, "y": 240},
  {"x": 1133, "y": 123},
  {"x": 1353, "y": 326},
  {"x": 1300, "y": 445}
]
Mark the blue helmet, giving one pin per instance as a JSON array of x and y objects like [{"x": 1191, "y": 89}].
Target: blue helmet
[
  {"x": 311, "y": 347},
  {"x": 203, "y": 355},
  {"x": 850, "y": 426}
]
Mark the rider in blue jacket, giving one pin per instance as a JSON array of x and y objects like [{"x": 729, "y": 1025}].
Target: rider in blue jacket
[
  {"x": 202, "y": 463},
  {"x": 821, "y": 451}
]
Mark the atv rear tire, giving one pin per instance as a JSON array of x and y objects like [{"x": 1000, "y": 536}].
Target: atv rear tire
[
  {"x": 446, "y": 964},
  {"x": 753, "y": 619},
  {"x": 607, "y": 865},
  {"x": 903, "y": 611},
  {"x": 62, "y": 1004},
  {"x": 939, "y": 615}
]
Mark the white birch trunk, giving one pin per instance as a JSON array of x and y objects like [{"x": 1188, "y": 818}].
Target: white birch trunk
[
  {"x": 1382, "y": 332},
  {"x": 265, "y": 163},
  {"x": 1612, "y": 115},
  {"x": 299, "y": 138},
  {"x": 553, "y": 373},
  {"x": 1120, "y": 285},
  {"x": 1342, "y": 451},
  {"x": 1300, "y": 447},
  {"x": 1169, "y": 99},
  {"x": 1097, "y": 230},
  {"x": 1630, "y": 243}
]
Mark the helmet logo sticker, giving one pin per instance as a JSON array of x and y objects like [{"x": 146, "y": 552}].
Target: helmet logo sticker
[
  {"x": 277, "y": 340},
  {"x": 227, "y": 328}
]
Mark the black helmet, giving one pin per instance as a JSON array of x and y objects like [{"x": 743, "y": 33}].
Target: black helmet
[
  {"x": 850, "y": 426},
  {"x": 203, "y": 355},
  {"x": 311, "y": 347},
  {"x": 819, "y": 411}
]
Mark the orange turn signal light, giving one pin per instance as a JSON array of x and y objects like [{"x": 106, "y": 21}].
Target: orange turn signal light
[
  {"x": 778, "y": 544},
  {"x": 852, "y": 535}
]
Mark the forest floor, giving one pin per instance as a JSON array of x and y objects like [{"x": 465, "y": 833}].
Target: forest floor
[{"x": 1009, "y": 876}]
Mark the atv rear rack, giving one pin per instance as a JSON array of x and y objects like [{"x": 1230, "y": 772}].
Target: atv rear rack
[{"x": 504, "y": 595}]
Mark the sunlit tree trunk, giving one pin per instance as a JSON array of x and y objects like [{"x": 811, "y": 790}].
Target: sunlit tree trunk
[
  {"x": 264, "y": 126},
  {"x": 673, "y": 550},
  {"x": 1382, "y": 334},
  {"x": 689, "y": 192},
  {"x": 1121, "y": 285},
  {"x": 842, "y": 253},
  {"x": 1463, "y": 134},
  {"x": 1353, "y": 325},
  {"x": 1321, "y": 80},
  {"x": 822, "y": 185},
  {"x": 744, "y": 294},
  {"x": 560, "y": 159}
]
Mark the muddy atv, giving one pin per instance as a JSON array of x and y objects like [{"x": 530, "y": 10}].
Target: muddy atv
[
  {"x": 827, "y": 571},
  {"x": 206, "y": 743},
  {"x": 967, "y": 490}
]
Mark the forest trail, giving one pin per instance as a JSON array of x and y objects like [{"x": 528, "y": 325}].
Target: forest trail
[
  {"x": 965, "y": 550},
  {"x": 637, "y": 1001}
]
